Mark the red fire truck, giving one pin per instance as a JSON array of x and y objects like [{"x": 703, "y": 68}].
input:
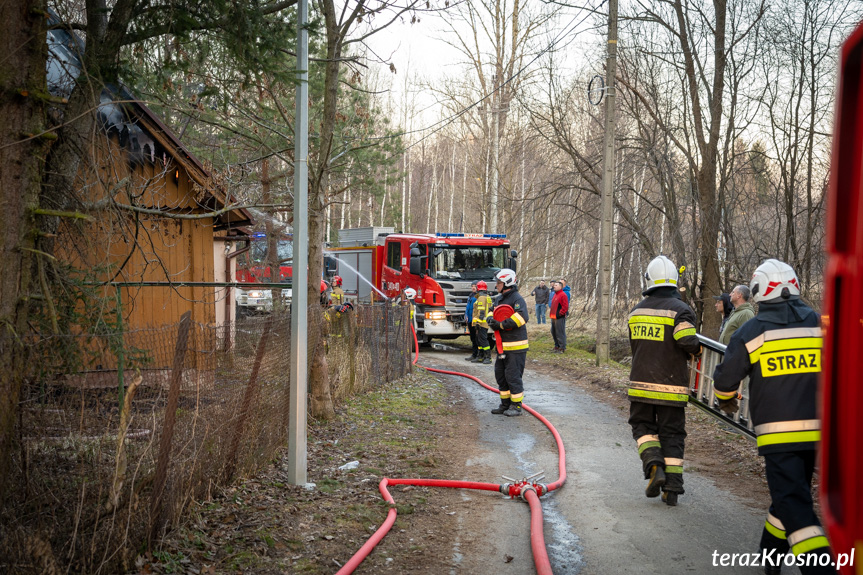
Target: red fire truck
[
  {"x": 375, "y": 262},
  {"x": 842, "y": 392},
  {"x": 252, "y": 268}
]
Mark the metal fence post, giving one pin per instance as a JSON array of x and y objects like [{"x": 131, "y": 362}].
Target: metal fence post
[{"x": 156, "y": 507}]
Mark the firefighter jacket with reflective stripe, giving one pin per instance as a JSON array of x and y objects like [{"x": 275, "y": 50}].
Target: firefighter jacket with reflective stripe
[
  {"x": 513, "y": 331},
  {"x": 780, "y": 351},
  {"x": 662, "y": 336},
  {"x": 481, "y": 309},
  {"x": 338, "y": 296}
]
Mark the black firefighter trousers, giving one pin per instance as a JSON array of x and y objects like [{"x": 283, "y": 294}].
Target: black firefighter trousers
[
  {"x": 660, "y": 431},
  {"x": 791, "y": 521},
  {"x": 508, "y": 371}
]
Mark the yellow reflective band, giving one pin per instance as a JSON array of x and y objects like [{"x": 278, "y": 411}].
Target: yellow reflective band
[
  {"x": 783, "y": 346},
  {"x": 517, "y": 396},
  {"x": 516, "y": 399},
  {"x": 665, "y": 281},
  {"x": 515, "y": 345},
  {"x": 784, "y": 426},
  {"x": 519, "y": 321},
  {"x": 773, "y": 530},
  {"x": 658, "y": 387},
  {"x": 648, "y": 445},
  {"x": 647, "y": 331},
  {"x": 724, "y": 394},
  {"x": 673, "y": 461},
  {"x": 504, "y": 394},
  {"x": 809, "y": 545},
  {"x": 793, "y": 437},
  {"x": 645, "y": 438},
  {"x": 674, "y": 469},
  {"x": 651, "y": 319},
  {"x": 677, "y": 397},
  {"x": 684, "y": 333}
]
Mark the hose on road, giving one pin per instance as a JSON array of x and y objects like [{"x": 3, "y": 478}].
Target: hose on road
[{"x": 530, "y": 492}]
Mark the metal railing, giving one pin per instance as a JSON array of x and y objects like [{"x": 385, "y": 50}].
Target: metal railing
[{"x": 701, "y": 387}]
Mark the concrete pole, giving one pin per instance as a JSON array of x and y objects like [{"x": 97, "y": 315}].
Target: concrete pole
[
  {"x": 297, "y": 422},
  {"x": 603, "y": 316}
]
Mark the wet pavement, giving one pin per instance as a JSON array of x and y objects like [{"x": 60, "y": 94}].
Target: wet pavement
[{"x": 600, "y": 521}]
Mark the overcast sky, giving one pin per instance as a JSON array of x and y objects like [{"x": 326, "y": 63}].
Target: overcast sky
[{"x": 419, "y": 53}]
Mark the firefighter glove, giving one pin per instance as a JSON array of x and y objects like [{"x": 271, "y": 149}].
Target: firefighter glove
[
  {"x": 493, "y": 324},
  {"x": 729, "y": 406}
]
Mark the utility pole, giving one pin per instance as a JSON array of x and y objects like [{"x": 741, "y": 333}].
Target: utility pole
[
  {"x": 297, "y": 422},
  {"x": 495, "y": 154},
  {"x": 603, "y": 311}
]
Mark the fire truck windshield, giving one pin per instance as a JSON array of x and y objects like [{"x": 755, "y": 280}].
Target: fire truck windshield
[
  {"x": 258, "y": 251},
  {"x": 454, "y": 262}
]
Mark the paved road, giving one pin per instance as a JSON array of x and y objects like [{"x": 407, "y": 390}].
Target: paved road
[{"x": 600, "y": 522}]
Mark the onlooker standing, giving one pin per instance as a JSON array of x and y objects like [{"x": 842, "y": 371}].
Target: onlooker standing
[
  {"x": 468, "y": 317},
  {"x": 743, "y": 312},
  {"x": 540, "y": 294},
  {"x": 723, "y": 306},
  {"x": 662, "y": 336},
  {"x": 780, "y": 351},
  {"x": 559, "y": 309},
  {"x": 565, "y": 289}
]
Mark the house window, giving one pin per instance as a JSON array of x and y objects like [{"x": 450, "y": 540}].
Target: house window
[{"x": 394, "y": 255}]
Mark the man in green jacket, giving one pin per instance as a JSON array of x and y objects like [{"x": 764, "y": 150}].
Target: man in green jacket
[{"x": 743, "y": 312}]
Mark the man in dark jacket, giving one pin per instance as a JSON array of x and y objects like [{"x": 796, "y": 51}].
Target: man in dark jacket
[
  {"x": 509, "y": 367},
  {"x": 540, "y": 295},
  {"x": 662, "y": 337},
  {"x": 780, "y": 351}
]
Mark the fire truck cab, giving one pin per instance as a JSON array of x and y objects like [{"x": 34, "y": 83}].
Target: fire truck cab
[{"x": 441, "y": 268}]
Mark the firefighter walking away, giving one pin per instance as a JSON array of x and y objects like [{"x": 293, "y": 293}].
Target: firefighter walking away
[
  {"x": 662, "y": 337},
  {"x": 780, "y": 351}
]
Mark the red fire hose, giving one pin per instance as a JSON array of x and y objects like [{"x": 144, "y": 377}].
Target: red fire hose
[{"x": 528, "y": 491}]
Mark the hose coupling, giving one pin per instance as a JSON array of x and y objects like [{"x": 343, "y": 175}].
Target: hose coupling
[
  {"x": 525, "y": 488},
  {"x": 541, "y": 488},
  {"x": 505, "y": 487}
]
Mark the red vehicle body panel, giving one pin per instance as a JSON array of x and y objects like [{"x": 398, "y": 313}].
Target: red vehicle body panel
[
  {"x": 842, "y": 378},
  {"x": 429, "y": 293}
]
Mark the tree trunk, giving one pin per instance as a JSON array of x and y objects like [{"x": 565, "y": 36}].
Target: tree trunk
[{"x": 22, "y": 113}]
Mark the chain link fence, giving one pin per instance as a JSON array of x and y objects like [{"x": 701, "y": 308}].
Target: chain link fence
[{"x": 107, "y": 460}]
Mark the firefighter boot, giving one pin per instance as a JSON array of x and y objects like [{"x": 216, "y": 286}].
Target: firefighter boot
[
  {"x": 514, "y": 410},
  {"x": 500, "y": 409},
  {"x": 669, "y": 498},
  {"x": 656, "y": 481},
  {"x": 487, "y": 357},
  {"x": 471, "y": 357},
  {"x": 478, "y": 358}
]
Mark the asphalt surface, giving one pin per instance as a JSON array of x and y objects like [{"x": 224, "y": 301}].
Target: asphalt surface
[{"x": 600, "y": 521}]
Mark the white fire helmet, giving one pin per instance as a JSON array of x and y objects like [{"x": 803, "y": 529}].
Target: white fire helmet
[
  {"x": 410, "y": 293},
  {"x": 506, "y": 276},
  {"x": 771, "y": 280},
  {"x": 661, "y": 271}
]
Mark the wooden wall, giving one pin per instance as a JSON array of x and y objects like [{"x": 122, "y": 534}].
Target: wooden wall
[{"x": 122, "y": 246}]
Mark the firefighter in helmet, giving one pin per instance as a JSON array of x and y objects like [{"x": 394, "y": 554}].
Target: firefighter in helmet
[
  {"x": 509, "y": 366},
  {"x": 481, "y": 311},
  {"x": 338, "y": 295},
  {"x": 662, "y": 337},
  {"x": 780, "y": 350}
]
